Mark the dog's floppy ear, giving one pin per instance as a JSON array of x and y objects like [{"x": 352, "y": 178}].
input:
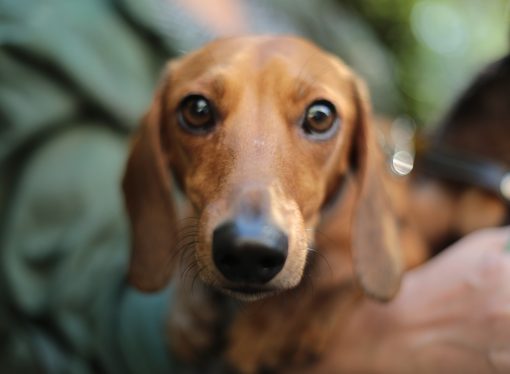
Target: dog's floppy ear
[
  {"x": 376, "y": 252},
  {"x": 147, "y": 192}
]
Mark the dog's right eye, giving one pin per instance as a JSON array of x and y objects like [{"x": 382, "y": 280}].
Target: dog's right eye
[{"x": 196, "y": 114}]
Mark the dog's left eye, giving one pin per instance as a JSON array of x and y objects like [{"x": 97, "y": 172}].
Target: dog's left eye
[
  {"x": 196, "y": 114},
  {"x": 320, "y": 118}
]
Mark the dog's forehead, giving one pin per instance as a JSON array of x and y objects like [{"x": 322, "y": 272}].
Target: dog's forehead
[{"x": 261, "y": 56}]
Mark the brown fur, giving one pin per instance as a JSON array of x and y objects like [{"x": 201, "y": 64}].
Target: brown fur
[{"x": 257, "y": 155}]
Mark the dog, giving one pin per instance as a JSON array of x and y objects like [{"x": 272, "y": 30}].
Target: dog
[{"x": 256, "y": 186}]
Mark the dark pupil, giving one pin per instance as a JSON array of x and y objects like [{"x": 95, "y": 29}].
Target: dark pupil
[
  {"x": 319, "y": 117},
  {"x": 198, "y": 112}
]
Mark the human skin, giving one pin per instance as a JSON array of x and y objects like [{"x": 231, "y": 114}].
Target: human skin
[{"x": 451, "y": 316}]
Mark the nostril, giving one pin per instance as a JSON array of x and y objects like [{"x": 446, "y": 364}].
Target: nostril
[
  {"x": 270, "y": 262},
  {"x": 229, "y": 260}
]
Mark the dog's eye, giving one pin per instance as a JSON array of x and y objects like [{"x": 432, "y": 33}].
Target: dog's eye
[
  {"x": 196, "y": 114},
  {"x": 320, "y": 119}
]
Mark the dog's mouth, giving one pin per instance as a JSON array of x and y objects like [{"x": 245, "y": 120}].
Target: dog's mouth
[{"x": 249, "y": 293}]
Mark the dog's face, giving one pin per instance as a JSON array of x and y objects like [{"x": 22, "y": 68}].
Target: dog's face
[
  {"x": 257, "y": 142},
  {"x": 259, "y": 133}
]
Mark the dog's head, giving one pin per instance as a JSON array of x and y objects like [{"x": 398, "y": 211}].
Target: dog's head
[{"x": 259, "y": 133}]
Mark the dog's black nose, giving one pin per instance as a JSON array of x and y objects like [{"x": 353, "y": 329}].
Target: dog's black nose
[{"x": 249, "y": 250}]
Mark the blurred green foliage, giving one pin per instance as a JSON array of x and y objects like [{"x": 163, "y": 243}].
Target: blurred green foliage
[{"x": 437, "y": 46}]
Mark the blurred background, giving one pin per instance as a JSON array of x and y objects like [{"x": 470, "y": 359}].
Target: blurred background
[
  {"x": 75, "y": 78},
  {"x": 434, "y": 47}
]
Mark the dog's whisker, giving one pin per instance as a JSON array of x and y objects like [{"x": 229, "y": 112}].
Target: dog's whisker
[
  {"x": 188, "y": 225},
  {"x": 188, "y": 230},
  {"x": 184, "y": 238},
  {"x": 308, "y": 281},
  {"x": 185, "y": 256},
  {"x": 200, "y": 269},
  {"x": 185, "y": 242},
  {"x": 321, "y": 256},
  {"x": 189, "y": 218},
  {"x": 188, "y": 270},
  {"x": 190, "y": 236},
  {"x": 189, "y": 221},
  {"x": 182, "y": 250}
]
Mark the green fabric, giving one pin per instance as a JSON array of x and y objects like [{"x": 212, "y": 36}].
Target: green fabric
[
  {"x": 75, "y": 77},
  {"x": 89, "y": 46},
  {"x": 65, "y": 247},
  {"x": 68, "y": 60}
]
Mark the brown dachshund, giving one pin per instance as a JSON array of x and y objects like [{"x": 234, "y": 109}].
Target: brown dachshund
[{"x": 270, "y": 144}]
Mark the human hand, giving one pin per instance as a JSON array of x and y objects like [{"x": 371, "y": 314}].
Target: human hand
[{"x": 452, "y": 315}]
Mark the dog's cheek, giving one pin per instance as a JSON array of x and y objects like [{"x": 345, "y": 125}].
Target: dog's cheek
[
  {"x": 311, "y": 209},
  {"x": 302, "y": 180},
  {"x": 307, "y": 187}
]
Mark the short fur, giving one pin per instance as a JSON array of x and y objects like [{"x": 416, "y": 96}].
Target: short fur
[{"x": 332, "y": 198}]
